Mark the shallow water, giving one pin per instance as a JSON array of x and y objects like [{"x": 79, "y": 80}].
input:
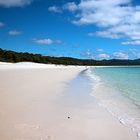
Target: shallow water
[{"x": 118, "y": 90}]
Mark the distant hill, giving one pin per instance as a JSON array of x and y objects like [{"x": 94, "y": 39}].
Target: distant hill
[{"x": 11, "y": 56}]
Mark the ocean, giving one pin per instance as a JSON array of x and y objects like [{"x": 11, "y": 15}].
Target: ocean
[{"x": 117, "y": 89}]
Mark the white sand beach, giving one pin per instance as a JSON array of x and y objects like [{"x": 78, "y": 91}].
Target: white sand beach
[{"x": 34, "y": 105}]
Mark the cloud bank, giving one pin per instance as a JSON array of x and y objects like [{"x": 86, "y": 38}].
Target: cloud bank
[
  {"x": 120, "y": 55},
  {"x": 114, "y": 19},
  {"x": 100, "y": 54}
]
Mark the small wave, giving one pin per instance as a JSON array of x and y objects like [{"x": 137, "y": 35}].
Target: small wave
[
  {"x": 95, "y": 80},
  {"x": 92, "y": 75}
]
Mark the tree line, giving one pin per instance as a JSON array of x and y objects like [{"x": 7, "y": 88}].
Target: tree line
[{"x": 14, "y": 57}]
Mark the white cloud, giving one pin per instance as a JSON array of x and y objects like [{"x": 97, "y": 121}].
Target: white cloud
[
  {"x": 103, "y": 56},
  {"x": 14, "y": 33},
  {"x": 14, "y": 3},
  {"x": 47, "y": 41},
  {"x": 135, "y": 42},
  {"x": 120, "y": 55},
  {"x": 71, "y": 6},
  {"x": 2, "y": 24},
  {"x": 131, "y": 32},
  {"x": 55, "y": 9},
  {"x": 114, "y": 18},
  {"x": 103, "y": 13},
  {"x": 105, "y": 34}
]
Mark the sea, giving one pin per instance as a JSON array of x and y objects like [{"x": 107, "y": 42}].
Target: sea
[{"x": 117, "y": 89}]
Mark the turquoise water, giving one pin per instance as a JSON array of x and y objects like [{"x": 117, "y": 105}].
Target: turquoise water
[
  {"x": 117, "y": 89},
  {"x": 124, "y": 79}
]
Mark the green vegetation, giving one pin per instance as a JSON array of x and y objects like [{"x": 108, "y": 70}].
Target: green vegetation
[{"x": 11, "y": 56}]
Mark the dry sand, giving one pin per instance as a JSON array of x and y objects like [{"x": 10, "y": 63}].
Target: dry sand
[{"x": 32, "y": 107}]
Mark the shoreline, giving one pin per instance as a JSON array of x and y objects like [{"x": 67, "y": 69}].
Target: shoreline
[
  {"x": 37, "y": 102},
  {"x": 124, "y": 109}
]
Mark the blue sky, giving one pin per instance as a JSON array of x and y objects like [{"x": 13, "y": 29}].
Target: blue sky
[{"x": 94, "y": 29}]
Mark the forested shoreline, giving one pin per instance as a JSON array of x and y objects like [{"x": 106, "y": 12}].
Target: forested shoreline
[{"x": 14, "y": 57}]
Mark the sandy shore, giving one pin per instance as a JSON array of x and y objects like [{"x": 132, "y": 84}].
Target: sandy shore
[{"x": 34, "y": 105}]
